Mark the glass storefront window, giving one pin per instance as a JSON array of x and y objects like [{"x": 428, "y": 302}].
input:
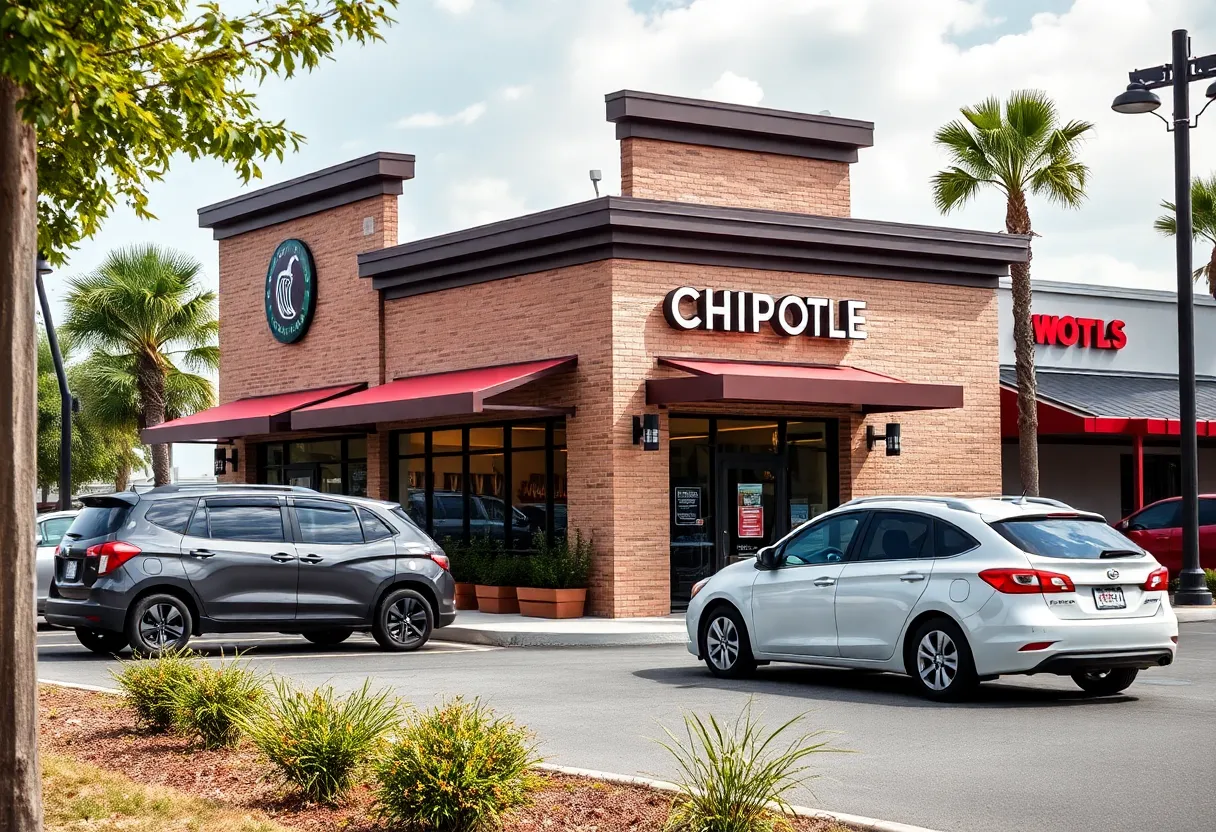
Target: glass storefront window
[
  {"x": 487, "y": 494},
  {"x": 331, "y": 479},
  {"x": 756, "y": 436},
  {"x": 559, "y": 490},
  {"x": 335, "y": 466},
  {"x": 485, "y": 439},
  {"x": 411, "y": 488},
  {"x": 326, "y": 450},
  {"x": 692, "y": 545},
  {"x": 807, "y": 445},
  {"x": 275, "y": 455},
  {"x": 529, "y": 493},
  {"x": 356, "y": 447},
  {"x": 411, "y": 443},
  {"x": 528, "y": 436},
  {"x": 447, "y": 441}
]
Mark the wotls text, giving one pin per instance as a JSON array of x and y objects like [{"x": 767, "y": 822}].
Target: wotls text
[
  {"x": 725, "y": 310},
  {"x": 1067, "y": 331}
]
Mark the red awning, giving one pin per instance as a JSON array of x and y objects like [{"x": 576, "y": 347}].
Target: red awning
[
  {"x": 739, "y": 381},
  {"x": 1058, "y": 419},
  {"x": 243, "y": 417},
  {"x": 458, "y": 393}
]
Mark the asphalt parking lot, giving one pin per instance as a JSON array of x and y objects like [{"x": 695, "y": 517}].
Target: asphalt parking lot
[{"x": 1027, "y": 754}]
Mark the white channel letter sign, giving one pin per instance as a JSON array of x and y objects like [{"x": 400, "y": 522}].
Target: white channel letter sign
[{"x": 725, "y": 310}]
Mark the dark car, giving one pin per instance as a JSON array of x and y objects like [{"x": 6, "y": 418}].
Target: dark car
[
  {"x": 150, "y": 570},
  {"x": 1158, "y": 528}
]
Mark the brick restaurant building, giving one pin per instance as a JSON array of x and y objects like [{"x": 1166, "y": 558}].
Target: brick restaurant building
[{"x": 682, "y": 372}]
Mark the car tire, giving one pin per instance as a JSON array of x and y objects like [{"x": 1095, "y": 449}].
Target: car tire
[
  {"x": 101, "y": 642},
  {"x": 725, "y": 644},
  {"x": 159, "y": 623},
  {"x": 404, "y": 620},
  {"x": 939, "y": 660},
  {"x": 1106, "y": 682},
  {"x": 329, "y": 638}
]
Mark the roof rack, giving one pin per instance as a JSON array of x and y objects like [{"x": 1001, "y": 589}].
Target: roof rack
[
  {"x": 1044, "y": 501},
  {"x": 949, "y": 502},
  {"x": 231, "y": 486}
]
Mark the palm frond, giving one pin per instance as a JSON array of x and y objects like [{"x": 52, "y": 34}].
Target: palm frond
[
  {"x": 1167, "y": 224},
  {"x": 1062, "y": 183},
  {"x": 953, "y": 188}
]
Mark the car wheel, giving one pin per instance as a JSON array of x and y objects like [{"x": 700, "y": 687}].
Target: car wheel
[
  {"x": 1106, "y": 682},
  {"x": 939, "y": 661},
  {"x": 101, "y": 642},
  {"x": 727, "y": 651},
  {"x": 328, "y": 638},
  {"x": 403, "y": 621},
  {"x": 159, "y": 623}
]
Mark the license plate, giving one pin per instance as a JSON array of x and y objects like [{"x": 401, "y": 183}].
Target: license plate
[
  {"x": 69, "y": 570},
  {"x": 1109, "y": 598}
]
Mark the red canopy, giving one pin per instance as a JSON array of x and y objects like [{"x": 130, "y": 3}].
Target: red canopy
[
  {"x": 717, "y": 380},
  {"x": 1057, "y": 419},
  {"x": 457, "y": 393},
  {"x": 243, "y": 417}
]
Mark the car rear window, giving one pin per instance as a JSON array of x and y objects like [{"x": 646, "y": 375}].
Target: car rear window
[
  {"x": 1065, "y": 537},
  {"x": 98, "y": 521}
]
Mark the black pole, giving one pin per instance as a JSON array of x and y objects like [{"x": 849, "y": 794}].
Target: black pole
[
  {"x": 65, "y": 397},
  {"x": 1192, "y": 588}
]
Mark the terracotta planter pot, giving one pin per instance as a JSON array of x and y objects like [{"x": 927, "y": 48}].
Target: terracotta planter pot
[
  {"x": 497, "y": 599},
  {"x": 466, "y": 596},
  {"x": 552, "y": 603}
]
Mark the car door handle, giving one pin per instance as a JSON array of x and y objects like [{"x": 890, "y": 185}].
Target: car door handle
[
  {"x": 912, "y": 577},
  {"x": 201, "y": 553},
  {"x": 311, "y": 559},
  {"x": 282, "y": 557},
  {"x": 825, "y": 582}
]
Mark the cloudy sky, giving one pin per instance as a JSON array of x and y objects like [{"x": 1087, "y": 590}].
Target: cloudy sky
[{"x": 502, "y": 103}]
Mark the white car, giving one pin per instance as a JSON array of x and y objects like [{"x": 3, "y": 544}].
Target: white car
[
  {"x": 951, "y": 591},
  {"x": 49, "y": 530}
]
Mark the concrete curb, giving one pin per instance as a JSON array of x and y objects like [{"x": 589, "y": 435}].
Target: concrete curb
[
  {"x": 856, "y": 821},
  {"x": 517, "y": 638},
  {"x": 75, "y": 686},
  {"x": 1187, "y": 615}
]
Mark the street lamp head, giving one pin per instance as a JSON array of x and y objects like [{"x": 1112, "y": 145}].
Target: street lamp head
[
  {"x": 43, "y": 267},
  {"x": 1211, "y": 92},
  {"x": 1136, "y": 99}
]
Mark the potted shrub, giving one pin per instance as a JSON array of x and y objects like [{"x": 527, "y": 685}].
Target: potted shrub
[
  {"x": 463, "y": 564},
  {"x": 498, "y": 574},
  {"x": 559, "y": 575}
]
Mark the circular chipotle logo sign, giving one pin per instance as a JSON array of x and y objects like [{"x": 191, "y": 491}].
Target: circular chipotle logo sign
[{"x": 291, "y": 291}]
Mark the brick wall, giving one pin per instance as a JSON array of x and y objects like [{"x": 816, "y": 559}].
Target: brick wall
[{"x": 655, "y": 169}]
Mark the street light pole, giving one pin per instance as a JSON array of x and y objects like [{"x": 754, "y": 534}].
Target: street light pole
[
  {"x": 1178, "y": 74},
  {"x": 65, "y": 395}
]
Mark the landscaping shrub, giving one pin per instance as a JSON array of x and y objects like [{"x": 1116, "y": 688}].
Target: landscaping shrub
[
  {"x": 149, "y": 685},
  {"x": 462, "y": 559},
  {"x": 734, "y": 778},
  {"x": 563, "y": 564},
  {"x": 318, "y": 741},
  {"x": 213, "y": 703},
  {"x": 454, "y": 768}
]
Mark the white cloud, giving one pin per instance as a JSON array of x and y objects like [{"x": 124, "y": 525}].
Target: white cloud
[
  {"x": 516, "y": 92},
  {"x": 734, "y": 89},
  {"x": 428, "y": 119},
  {"x": 482, "y": 200},
  {"x": 454, "y": 6}
]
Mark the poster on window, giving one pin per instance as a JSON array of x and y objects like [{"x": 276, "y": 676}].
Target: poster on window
[
  {"x": 688, "y": 506},
  {"x": 800, "y": 512},
  {"x": 750, "y": 509}
]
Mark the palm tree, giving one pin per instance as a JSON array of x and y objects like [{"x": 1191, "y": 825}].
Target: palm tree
[
  {"x": 1018, "y": 148},
  {"x": 143, "y": 313},
  {"x": 1203, "y": 220}
]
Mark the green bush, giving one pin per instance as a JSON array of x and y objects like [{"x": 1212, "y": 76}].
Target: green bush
[
  {"x": 318, "y": 741},
  {"x": 214, "y": 703},
  {"x": 148, "y": 685},
  {"x": 562, "y": 564},
  {"x": 734, "y": 778},
  {"x": 455, "y": 768},
  {"x": 462, "y": 560}
]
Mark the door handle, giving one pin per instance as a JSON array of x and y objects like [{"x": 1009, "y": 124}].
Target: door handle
[
  {"x": 912, "y": 577},
  {"x": 201, "y": 553},
  {"x": 825, "y": 582},
  {"x": 282, "y": 557},
  {"x": 311, "y": 559}
]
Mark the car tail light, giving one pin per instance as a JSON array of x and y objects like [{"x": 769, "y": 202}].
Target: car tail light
[
  {"x": 1027, "y": 581},
  {"x": 1174, "y": 639},
  {"x": 443, "y": 560},
  {"x": 1158, "y": 580},
  {"x": 56, "y": 551},
  {"x": 111, "y": 555},
  {"x": 1035, "y": 645}
]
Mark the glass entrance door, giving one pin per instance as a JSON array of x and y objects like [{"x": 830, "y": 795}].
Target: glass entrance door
[
  {"x": 304, "y": 476},
  {"x": 751, "y": 491}
]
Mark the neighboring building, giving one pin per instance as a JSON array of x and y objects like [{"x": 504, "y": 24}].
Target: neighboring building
[
  {"x": 682, "y": 372},
  {"x": 1107, "y": 371}
]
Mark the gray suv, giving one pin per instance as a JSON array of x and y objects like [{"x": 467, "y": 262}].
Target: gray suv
[{"x": 150, "y": 570}]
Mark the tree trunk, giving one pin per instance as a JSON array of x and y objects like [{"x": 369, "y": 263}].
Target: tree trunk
[
  {"x": 122, "y": 476},
  {"x": 1212, "y": 273},
  {"x": 20, "y": 786},
  {"x": 151, "y": 381},
  {"x": 46, "y": 494},
  {"x": 1017, "y": 221}
]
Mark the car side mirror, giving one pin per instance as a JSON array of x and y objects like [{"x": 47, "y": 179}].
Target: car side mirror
[
  {"x": 1134, "y": 527},
  {"x": 766, "y": 558}
]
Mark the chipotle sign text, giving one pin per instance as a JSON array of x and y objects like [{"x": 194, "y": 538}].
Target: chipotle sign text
[{"x": 1069, "y": 331}]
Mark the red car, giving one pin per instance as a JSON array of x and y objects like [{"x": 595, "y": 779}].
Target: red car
[{"x": 1158, "y": 528}]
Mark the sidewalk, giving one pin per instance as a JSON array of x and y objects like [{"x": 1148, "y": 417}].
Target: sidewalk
[{"x": 518, "y": 631}]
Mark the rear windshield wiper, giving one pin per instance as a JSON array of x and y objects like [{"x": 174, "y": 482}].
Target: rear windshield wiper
[{"x": 1120, "y": 553}]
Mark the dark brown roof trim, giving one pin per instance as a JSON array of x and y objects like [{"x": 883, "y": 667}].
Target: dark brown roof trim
[
  {"x": 680, "y": 232},
  {"x": 367, "y": 176},
  {"x": 716, "y": 124}
]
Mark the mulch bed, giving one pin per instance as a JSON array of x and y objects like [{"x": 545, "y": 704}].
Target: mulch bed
[{"x": 96, "y": 728}]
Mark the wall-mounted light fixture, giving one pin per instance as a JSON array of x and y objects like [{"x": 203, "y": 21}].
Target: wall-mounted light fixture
[
  {"x": 224, "y": 457},
  {"x": 646, "y": 431},
  {"x": 891, "y": 437}
]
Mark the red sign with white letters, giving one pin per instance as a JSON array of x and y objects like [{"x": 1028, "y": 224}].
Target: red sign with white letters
[{"x": 1069, "y": 331}]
